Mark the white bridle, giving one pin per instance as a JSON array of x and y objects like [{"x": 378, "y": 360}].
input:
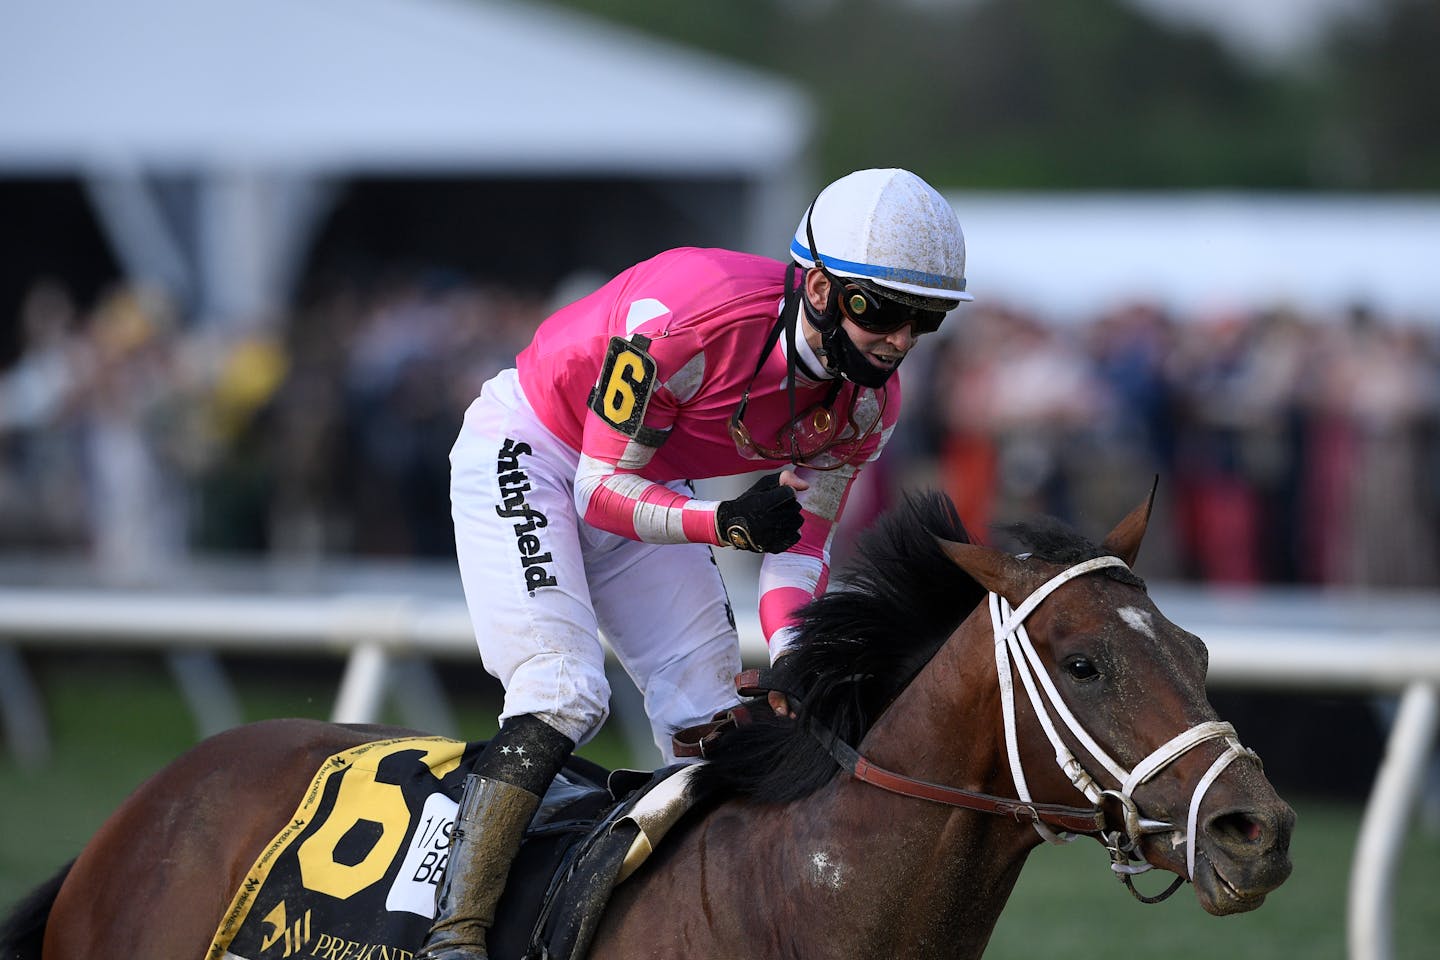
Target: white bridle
[{"x": 1013, "y": 647}]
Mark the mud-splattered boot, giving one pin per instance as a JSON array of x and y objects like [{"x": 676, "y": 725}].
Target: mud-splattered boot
[{"x": 500, "y": 798}]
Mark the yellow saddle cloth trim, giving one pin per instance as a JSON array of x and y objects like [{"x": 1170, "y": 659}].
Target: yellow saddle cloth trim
[{"x": 361, "y": 797}]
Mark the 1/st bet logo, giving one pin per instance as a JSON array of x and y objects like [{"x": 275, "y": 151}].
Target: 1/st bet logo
[
  {"x": 425, "y": 859},
  {"x": 435, "y": 841}
]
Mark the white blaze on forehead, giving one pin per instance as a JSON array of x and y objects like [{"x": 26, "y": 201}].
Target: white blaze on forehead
[
  {"x": 827, "y": 872},
  {"x": 1139, "y": 620}
]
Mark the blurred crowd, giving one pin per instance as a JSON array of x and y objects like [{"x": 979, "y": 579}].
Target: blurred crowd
[{"x": 1289, "y": 448}]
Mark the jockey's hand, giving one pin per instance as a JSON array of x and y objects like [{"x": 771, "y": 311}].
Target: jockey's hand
[
  {"x": 764, "y": 519},
  {"x": 778, "y": 700}
]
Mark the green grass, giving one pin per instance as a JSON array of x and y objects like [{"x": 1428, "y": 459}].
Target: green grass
[
  {"x": 1067, "y": 905},
  {"x": 116, "y": 720}
]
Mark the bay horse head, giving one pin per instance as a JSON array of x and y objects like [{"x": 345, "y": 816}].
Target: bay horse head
[
  {"x": 1046, "y": 688},
  {"x": 1114, "y": 705}
]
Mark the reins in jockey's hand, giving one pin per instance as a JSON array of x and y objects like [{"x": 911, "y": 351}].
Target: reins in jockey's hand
[{"x": 754, "y": 685}]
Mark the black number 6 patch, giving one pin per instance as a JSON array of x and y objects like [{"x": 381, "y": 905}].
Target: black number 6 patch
[{"x": 623, "y": 392}]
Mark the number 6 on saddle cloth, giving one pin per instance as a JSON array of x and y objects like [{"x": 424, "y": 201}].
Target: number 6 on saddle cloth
[{"x": 356, "y": 866}]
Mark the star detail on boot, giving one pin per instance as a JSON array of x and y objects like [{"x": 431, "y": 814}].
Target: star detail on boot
[
  {"x": 505, "y": 751},
  {"x": 519, "y": 751},
  {"x": 526, "y": 763}
]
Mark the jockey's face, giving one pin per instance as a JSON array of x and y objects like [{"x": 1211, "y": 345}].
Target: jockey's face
[{"x": 882, "y": 350}]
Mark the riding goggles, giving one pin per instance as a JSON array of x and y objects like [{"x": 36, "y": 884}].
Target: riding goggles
[{"x": 876, "y": 313}]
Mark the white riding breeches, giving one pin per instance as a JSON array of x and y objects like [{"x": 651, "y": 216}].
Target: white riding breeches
[{"x": 542, "y": 586}]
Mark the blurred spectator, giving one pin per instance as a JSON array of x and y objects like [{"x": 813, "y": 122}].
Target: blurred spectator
[
  {"x": 131, "y": 411},
  {"x": 1290, "y": 448},
  {"x": 416, "y": 348},
  {"x": 1235, "y": 378},
  {"x": 965, "y": 376},
  {"x": 1135, "y": 442},
  {"x": 236, "y": 453},
  {"x": 1381, "y": 390},
  {"x": 42, "y": 492},
  {"x": 1021, "y": 402}
]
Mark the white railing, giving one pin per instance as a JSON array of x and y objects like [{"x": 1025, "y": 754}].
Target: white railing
[{"x": 1318, "y": 642}]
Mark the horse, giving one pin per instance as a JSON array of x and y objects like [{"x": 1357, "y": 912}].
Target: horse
[{"x": 950, "y": 707}]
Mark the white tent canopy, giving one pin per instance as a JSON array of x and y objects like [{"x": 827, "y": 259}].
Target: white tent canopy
[
  {"x": 268, "y": 99},
  {"x": 372, "y": 84}
]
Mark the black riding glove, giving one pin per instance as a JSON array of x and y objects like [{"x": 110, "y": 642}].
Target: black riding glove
[{"x": 764, "y": 519}]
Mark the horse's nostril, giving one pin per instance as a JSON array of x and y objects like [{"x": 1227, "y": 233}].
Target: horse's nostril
[{"x": 1239, "y": 827}]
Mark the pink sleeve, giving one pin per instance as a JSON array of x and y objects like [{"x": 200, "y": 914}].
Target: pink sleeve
[
  {"x": 611, "y": 494},
  {"x": 792, "y": 579},
  {"x": 617, "y": 499}
]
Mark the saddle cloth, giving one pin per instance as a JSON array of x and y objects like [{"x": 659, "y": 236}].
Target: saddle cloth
[{"x": 353, "y": 874}]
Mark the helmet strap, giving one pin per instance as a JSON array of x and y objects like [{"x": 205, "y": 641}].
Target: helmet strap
[
  {"x": 842, "y": 356},
  {"x": 837, "y": 351},
  {"x": 791, "y": 318}
]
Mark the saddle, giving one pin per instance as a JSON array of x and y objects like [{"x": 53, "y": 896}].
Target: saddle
[
  {"x": 592, "y": 838},
  {"x": 354, "y": 871}
]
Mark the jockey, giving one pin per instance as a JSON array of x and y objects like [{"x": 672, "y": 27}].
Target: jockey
[{"x": 573, "y": 510}]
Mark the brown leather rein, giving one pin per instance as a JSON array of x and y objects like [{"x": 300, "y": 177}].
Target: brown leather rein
[
  {"x": 1081, "y": 820},
  {"x": 693, "y": 741}
]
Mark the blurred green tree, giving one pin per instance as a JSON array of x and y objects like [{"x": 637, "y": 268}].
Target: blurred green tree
[
  {"x": 1380, "y": 83},
  {"x": 1041, "y": 94}
]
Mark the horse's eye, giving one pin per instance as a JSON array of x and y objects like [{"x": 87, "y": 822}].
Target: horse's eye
[{"x": 1081, "y": 668}]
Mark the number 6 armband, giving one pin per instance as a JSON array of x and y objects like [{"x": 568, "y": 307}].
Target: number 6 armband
[{"x": 622, "y": 394}]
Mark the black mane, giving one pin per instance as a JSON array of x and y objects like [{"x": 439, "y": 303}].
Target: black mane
[
  {"x": 857, "y": 648},
  {"x": 859, "y": 645}
]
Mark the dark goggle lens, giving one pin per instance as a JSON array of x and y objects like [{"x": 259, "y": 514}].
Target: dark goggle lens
[{"x": 879, "y": 315}]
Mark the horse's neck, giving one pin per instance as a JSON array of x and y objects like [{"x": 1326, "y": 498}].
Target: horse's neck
[
  {"x": 946, "y": 725},
  {"x": 929, "y": 880},
  {"x": 945, "y": 728},
  {"x": 852, "y": 870}
]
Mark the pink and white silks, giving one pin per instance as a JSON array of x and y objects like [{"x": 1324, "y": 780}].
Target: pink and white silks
[{"x": 572, "y": 507}]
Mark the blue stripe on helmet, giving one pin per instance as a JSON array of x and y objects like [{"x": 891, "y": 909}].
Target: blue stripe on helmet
[{"x": 935, "y": 281}]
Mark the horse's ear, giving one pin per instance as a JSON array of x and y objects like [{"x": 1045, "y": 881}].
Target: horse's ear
[
  {"x": 1124, "y": 540},
  {"x": 994, "y": 570}
]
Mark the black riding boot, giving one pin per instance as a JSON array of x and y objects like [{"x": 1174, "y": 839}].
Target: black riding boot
[{"x": 500, "y": 797}]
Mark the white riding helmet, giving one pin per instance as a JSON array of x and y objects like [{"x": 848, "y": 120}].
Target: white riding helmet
[{"x": 887, "y": 229}]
